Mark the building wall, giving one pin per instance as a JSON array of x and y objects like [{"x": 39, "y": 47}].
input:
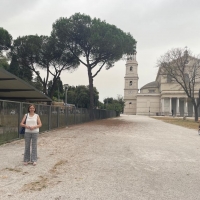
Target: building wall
[
  {"x": 130, "y": 107},
  {"x": 148, "y": 104},
  {"x": 173, "y": 89},
  {"x": 148, "y": 90}
]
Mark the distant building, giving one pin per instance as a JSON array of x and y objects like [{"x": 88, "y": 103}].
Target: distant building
[{"x": 160, "y": 97}]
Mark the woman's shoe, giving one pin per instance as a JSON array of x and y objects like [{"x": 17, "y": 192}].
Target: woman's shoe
[
  {"x": 25, "y": 163},
  {"x": 34, "y": 163}
]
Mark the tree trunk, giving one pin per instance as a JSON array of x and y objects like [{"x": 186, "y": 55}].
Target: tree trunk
[
  {"x": 44, "y": 88},
  {"x": 195, "y": 109},
  {"x": 196, "y": 113},
  {"x": 91, "y": 108}
]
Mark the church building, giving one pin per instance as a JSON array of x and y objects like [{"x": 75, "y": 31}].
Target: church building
[{"x": 160, "y": 97}]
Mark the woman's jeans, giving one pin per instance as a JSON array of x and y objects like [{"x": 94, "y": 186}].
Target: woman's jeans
[{"x": 30, "y": 153}]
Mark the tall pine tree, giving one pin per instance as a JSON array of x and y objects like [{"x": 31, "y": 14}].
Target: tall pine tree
[{"x": 20, "y": 71}]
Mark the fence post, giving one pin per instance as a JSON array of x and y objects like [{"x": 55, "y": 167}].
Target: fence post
[
  {"x": 65, "y": 115},
  {"x": 58, "y": 116},
  {"x": 81, "y": 114},
  {"x": 75, "y": 115},
  {"x": 20, "y": 117},
  {"x": 49, "y": 118},
  {"x": 67, "y": 110}
]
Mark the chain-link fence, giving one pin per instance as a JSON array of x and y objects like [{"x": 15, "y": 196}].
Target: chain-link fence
[{"x": 52, "y": 117}]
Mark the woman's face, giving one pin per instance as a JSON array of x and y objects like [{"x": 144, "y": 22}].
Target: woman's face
[{"x": 32, "y": 109}]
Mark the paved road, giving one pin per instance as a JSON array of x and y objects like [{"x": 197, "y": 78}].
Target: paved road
[{"x": 125, "y": 158}]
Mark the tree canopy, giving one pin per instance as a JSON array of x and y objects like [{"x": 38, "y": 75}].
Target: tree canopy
[
  {"x": 114, "y": 104},
  {"x": 21, "y": 71},
  {"x": 5, "y": 40},
  {"x": 58, "y": 94},
  {"x": 79, "y": 96},
  {"x": 43, "y": 53},
  {"x": 4, "y": 62},
  {"x": 94, "y": 43}
]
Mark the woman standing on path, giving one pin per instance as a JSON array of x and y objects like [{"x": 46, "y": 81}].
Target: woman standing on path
[{"x": 32, "y": 125}]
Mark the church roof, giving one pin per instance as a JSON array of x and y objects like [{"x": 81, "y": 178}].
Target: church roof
[{"x": 153, "y": 84}]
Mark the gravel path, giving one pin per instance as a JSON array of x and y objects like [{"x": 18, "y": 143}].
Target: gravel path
[{"x": 125, "y": 158}]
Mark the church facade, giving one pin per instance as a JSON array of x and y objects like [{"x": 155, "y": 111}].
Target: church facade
[{"x": 160, "y": 97}]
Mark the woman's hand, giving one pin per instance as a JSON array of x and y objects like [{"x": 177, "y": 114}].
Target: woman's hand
[
  {"x": 32, "y": 127},
  {"x": 28, "y": 127}
]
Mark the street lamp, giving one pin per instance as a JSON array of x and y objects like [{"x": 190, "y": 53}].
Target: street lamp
[{"x": 66, "y": 88}]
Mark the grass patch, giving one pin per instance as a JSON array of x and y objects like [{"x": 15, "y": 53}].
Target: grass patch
[
  {"x": 59, "y": 163},
  {"x": 13, "y": 169},
  {"x": 38, "y": 185},
  {"x": 8, "y": 136},
  {"x": 188, "y": 123}
]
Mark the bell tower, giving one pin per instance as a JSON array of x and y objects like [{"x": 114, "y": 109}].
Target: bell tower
[{"x": 131, "y": 85}]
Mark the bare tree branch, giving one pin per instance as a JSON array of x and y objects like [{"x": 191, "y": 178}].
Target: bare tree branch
[{"x": 184, "y": 68}]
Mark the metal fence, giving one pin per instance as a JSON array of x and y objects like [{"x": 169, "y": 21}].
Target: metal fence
[{"x": 52, "y": 117}]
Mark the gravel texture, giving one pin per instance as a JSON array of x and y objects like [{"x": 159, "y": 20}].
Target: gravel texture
[{"x": 124, "y": 158}]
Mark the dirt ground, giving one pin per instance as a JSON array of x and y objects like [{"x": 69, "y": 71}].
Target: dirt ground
[{"x": 124, "y": 158}]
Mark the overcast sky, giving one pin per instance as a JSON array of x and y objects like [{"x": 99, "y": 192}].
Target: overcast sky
[{"x": 156, "y": 25}]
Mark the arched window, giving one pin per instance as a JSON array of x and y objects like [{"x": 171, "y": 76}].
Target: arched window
[
  {"x": 131, "y": 68},
  {"x": 130, "y": 83}
]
